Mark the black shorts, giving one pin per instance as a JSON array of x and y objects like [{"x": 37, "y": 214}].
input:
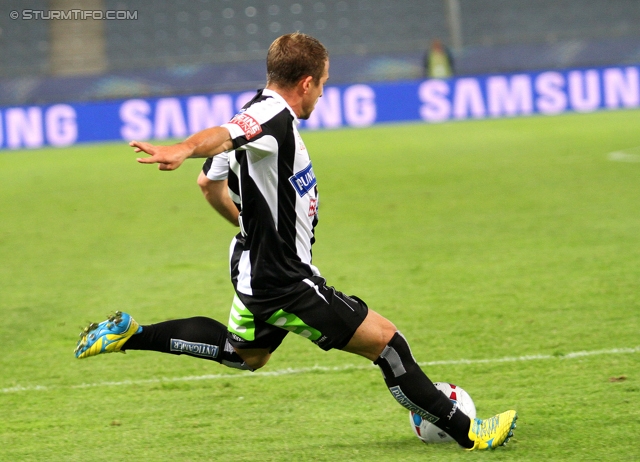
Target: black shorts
[{"x": 310, "y": 308}]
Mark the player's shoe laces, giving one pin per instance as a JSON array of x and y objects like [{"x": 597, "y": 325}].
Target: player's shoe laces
[
  {"x": 106, "y": 337},
  {"x": 492, "y": 432}
]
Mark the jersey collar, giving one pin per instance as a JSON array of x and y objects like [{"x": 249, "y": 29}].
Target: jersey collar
[{"x": 276, "y": 95}]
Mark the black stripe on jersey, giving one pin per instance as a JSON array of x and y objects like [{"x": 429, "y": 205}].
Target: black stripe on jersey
[
  {"x": 234, "y": 186},
  {"x": 234, "y": 262},
  {"x": 256, "y": 99},
  {"x": 207, "y": 165}
]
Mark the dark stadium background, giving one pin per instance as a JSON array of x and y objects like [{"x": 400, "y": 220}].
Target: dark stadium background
[{"x": 204, "y": 46}]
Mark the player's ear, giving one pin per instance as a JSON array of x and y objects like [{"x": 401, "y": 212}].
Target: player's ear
[{"x": 305, "y": 83}]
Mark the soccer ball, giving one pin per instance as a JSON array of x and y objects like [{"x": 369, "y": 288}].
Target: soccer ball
[{"x": 428, "y": 432}]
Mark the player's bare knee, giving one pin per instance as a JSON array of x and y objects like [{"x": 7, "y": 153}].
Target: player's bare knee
[
  {"x": 372, "y": 336},
  {"x": 386, "y": 329},
  {"x": 256, "y": 363},
  {"x": 255, "y": 360}
]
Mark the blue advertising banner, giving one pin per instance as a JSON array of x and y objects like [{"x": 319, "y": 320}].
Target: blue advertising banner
[{"x": 358, "y": 105}]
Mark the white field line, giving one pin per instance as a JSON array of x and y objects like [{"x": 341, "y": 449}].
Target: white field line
[
  {"x": 626, "y": 155},
  {"x": 305, "y": 370}
]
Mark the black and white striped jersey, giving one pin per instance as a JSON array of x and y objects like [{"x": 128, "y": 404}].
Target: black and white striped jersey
[{"x": 271, "y": 173}]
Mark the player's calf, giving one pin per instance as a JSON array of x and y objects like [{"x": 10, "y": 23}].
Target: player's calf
[
  {"x": 412, "y": 389},
  {"x": 199, "y": 337}
]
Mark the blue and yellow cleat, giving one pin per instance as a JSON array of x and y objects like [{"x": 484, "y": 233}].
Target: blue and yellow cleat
[
  {"x": 106, "y": 337},
  {"x": 492, "y": 432}
]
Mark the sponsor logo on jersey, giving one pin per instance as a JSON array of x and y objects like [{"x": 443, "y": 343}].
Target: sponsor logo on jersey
[
  {"x": 313, "y": 207},
  {"x": 194, "y": 349},
  {"x": 304, "y": 180},
  {"x": 248, "y": 124},
  {"x": 407, "y": 403},
  {"x": 300, "y": 142}
]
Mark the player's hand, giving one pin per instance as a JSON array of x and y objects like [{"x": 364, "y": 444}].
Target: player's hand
[{"x": 167, "y": 157}]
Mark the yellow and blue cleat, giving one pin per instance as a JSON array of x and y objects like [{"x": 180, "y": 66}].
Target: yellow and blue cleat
[
  {"x": 107, "y": 337},
  {"x": 492, "y": 432}
]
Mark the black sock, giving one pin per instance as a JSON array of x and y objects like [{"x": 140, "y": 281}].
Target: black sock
[
  {"x": 413, "y": 390},
  {"x": 200, "y": 337}
]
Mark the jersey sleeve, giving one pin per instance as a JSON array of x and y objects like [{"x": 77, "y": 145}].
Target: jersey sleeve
[
  {"x": 216, "y": 168},
  {"x": 259, "y": 129}
]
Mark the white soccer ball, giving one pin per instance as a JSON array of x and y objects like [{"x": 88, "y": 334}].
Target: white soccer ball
[{"x": 427, "y": 431}]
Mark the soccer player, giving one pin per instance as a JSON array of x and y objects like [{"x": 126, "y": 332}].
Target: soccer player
[{"x": 273, "y": 197}]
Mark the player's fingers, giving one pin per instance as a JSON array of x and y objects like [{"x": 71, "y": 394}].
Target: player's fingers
[
  {"x": 146, "y": 160},
  {"x": 140, "y": 146}
]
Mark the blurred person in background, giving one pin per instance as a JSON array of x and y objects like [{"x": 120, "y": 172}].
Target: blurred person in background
[{"x": 438, "y": 61}]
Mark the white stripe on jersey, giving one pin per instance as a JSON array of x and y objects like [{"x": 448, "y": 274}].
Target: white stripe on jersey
[
  {"x": 244, "y": 278},
  {"x": 261, "y": 147},
  {"x": 234, "y": 197}
]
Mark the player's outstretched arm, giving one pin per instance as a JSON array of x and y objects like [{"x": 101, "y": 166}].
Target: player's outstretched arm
[{"x": 205, "y": 143}]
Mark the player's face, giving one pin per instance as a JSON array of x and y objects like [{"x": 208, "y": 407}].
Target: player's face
[{"x": 314, "y": 93}]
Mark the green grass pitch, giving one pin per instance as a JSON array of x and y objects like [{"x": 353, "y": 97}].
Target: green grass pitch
[{"x": 482, "y": 241}]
